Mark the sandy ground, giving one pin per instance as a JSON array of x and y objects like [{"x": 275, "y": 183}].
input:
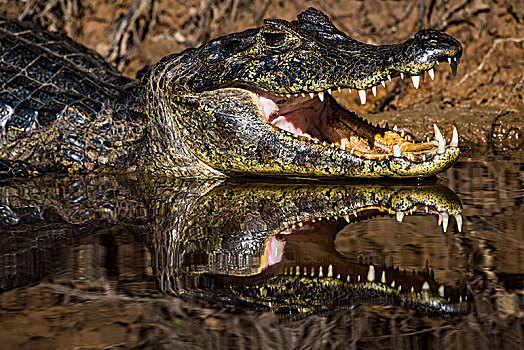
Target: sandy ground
[{"x": 484, "y": 100}]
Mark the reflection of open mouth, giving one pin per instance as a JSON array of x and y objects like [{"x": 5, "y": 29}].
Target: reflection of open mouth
[{"x": 272, "y": 247}]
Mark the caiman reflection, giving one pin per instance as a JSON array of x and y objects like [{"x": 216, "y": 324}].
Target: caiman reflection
[{"x": 271, "y": 247}]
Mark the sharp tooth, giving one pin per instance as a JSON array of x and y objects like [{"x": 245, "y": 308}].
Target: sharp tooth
[
  {"x": 389, "y": 78},
  {"x": 423, "y": 157},
  {"x": 358, "y": 278},
  {"x": 305, "y": 271},
  {"x": 355, "y": 213},
  {"x": 454, "y": 138},
  {"x": 338, "y": 276},
  {"x": 349, "y": 90},
  {"x": 339, "y": 89},
  {"x": 399, "y": 288},
  {"x": 458, "y": 218},
  {"x": 371, "y": 273},
  {"x": 312, "y": 94},
  {"x": 441, "y": 142},
  {"x": 303, "y": 95},
  {"x": 300, "y": 224},
  {"x": 288, "y": 95},
  {"x": 396, "y": 150},
  {"x": 393, "y": 284},
  {"x": 431, "y": 73},
  {"x": 412, "y": 289},
  {"x": 383, "y": 278},
  {"x": 445, "y": 220},
  {"x": 383, "y": 84},
  {"x": 416, "y": 80},
  {"x": 449, "y": 60},
  {"x": 329, "y": 91},
  {"x": 298, "y": 270},
  {"x": 320, "y": 273},
  {"x": 425, "y": 286},
  {"x": 460, "y": 298},
  {"x": 321, "y": 96},
  {"x": 374, "y": 90},
  {"x": 349, "y": 278},
  {"x": 347, "y": 218},
  {"x": 330, "y": 271},
  {"x": 362, "y": 95},
  {"x": 401, "y": 75},
  {"x": 441, "y": 291},
  {"x": 395, "y": 128},
  {"x": 312, "y": 271},
  {"x": 437, "y": 63},
  {"x": 400, "y": 216}
]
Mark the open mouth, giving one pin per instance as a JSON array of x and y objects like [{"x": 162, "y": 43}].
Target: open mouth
[{"x": 317, "y": 118}]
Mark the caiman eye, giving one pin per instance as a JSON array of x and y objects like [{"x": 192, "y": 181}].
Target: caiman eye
[{"x": 274, "y": 40}]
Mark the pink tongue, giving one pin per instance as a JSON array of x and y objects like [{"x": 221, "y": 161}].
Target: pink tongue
[{"x": 299, "y": 121}]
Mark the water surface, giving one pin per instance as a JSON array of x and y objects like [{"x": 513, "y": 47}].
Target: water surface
[{"x": 123, "y": 262}]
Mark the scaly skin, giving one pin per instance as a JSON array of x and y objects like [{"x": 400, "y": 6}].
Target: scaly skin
[{"x": 238, "y": 105}]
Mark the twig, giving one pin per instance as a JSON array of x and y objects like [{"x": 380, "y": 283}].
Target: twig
[{"x": 484, "y": 60}]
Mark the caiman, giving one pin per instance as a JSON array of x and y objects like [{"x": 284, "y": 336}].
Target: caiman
[{"x": 251, "y": 103}]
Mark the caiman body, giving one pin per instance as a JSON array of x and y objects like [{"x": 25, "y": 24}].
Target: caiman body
[{"x": 257, "y": 102}]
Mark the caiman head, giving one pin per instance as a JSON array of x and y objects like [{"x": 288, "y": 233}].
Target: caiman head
[{"x": 259, "y": 102}]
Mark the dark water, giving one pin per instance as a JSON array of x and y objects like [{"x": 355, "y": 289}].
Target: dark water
[{"x": 126, "y": 262}]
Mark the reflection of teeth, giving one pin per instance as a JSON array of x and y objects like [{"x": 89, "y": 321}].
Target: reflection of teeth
[
  {"x": 454, "y": 138},
  {"x": 441, "y": 291},
  {"x": 425, "y": 286},
  {"x": 441, "y": 142},
  {"x": 458, "y": 218},
  {"x": 371, "y": 273},
  {"x": 321, "y": 96},
  {"x": 416, "y": 80},
  {"x": 362, "y": 95},
  {"x": 396, "y": 150},
  {"x": 374, "y": 90},
  {"x": 395, "y": 128},
  {"x": 445, "y": 220},
  {"x": 431, "y": 73}
]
